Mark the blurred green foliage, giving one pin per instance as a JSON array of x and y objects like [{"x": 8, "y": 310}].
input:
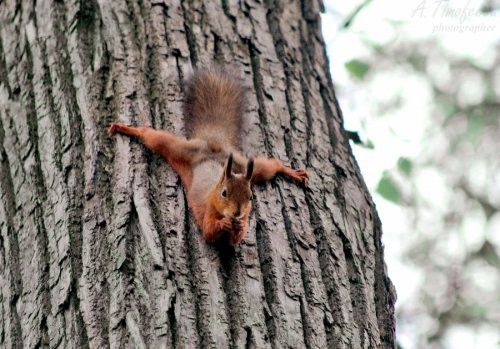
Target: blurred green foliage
[
  {"x": 388, "y": 189},
  {"x": 357, "y": 68},
  {"x": 405, "y": 165},
  {"x": 447, "y": 187}
]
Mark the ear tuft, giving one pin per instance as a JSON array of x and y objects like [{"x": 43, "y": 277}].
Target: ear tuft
[{"x": 249, "y": 173}]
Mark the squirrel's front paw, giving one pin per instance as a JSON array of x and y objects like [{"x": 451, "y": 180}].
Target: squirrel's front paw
[
  {"x": 112, "y": 129},
  {"x": 301, "y": 176},
  {"x": 116, "y": 128},
  {"x": 226, "y": 224},
  {"x": 237, "y": 224}
]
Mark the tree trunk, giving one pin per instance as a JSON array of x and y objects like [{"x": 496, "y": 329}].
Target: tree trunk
[{"x": 98, "y": 247}]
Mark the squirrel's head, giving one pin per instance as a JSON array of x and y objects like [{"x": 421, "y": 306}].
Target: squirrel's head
[{"x": 233, "y": 191}]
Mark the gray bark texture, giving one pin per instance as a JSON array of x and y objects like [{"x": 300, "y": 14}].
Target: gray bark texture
[{"x": 98, "y": 247}]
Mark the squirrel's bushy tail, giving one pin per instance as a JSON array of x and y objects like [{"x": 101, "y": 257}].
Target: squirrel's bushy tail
[{"x": 213, "y": 107}]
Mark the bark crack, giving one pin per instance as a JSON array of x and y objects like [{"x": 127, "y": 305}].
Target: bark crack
[
  {"x": 40, "y": 189},
  {"x": 193, "y": 270},
  {"x": 229, "y": 285},
  {"x": 15, "y": 281},
  {"x": 74, "y": 182},
  {"x": 257, "y": 82},
  {"x": 356, "y": 289},
  {"x": 190, "y": 37},
  {"x": 269, "y": 281},
  {"x": 4, "y": 73},
  {"x": 87, "y": 18},
  {"x": 325, "y": 255}
]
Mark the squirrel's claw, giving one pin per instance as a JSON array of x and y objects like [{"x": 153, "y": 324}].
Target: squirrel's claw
[
  {"x": 301, "y": 176},
  {"x": 112, "y": 129},
  {"x": 117, "y": 127}
]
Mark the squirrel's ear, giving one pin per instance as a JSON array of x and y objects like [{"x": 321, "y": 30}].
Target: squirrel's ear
[
  {"x": 249, "y": 173},
  {"x": 229, "y": 166}
]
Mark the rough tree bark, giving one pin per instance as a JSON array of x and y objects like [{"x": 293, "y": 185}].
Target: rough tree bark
[{"x": 98, "y": 248}]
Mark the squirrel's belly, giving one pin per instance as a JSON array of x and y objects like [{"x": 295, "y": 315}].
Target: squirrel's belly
[{"x": 205, "y": 176}]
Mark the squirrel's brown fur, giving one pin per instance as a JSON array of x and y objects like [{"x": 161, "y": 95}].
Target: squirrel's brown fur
[
  {"x": 216, "y": 176},
  {"x": 213, "y": 107}
]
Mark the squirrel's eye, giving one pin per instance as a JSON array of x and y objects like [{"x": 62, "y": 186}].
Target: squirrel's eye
[{"x": 223, "y": 193}]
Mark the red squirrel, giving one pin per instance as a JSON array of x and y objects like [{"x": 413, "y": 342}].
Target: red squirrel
[{"x": 215, "y": 174}]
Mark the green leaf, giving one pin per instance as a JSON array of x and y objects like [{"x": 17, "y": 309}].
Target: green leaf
[
  {"x": 405, "y": 165},
  {"x": 357, "y": 68},
  {"x": 387, "y": 189}
]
